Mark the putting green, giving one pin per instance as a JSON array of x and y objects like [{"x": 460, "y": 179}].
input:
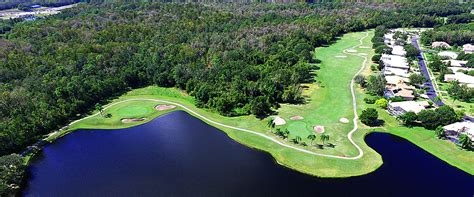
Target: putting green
[
  {"x": 298, "y": 128},
  {"x": 134, "y": 111}
]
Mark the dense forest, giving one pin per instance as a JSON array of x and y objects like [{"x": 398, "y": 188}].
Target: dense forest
[
  {"x": 454, "y": 34},
  {"x": 235, "y": 59}
]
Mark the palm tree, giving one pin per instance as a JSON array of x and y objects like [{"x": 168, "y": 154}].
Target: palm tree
[
  {"x": 99, "y": 108},
  {"x": 440, "y": 133},
  {"x": 324, "y": 138},
  {"x": 270, "y": 123},
  {"x": 298, "y": 139},
  {"x": 286, "y": 133},
  {"x": 464, "y": 141},
  {"x": 311, "y": 137}
]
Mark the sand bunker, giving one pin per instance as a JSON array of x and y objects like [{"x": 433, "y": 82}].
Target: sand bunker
[
  {"x": 279, "y": 121},
  {"x": 296, "y": 118},
  {"x": 341, "y": 56},
  {"x": 364, "y": 47},
  {"x": 318, "y": 129},
  {"x": 362, "y": 53},
  {"x": 344, "y": 120},
  {"x": 351, "y": 50},
  {"x": 164, "y": 107},
  {"x": 129, "y": 120}
]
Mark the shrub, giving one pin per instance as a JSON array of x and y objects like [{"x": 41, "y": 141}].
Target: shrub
[
  {"x": 408, "y": 119},
  {"x": 369, "y": 116},
  {"x": 369, "y": 100},
  {"x": 360, "y": 79},
  {"x": 376, "y": 58},
  {"x": 373, "y": 67},
  {"x": 440, "y": 133},
  {"x": 383, "y": 103}
]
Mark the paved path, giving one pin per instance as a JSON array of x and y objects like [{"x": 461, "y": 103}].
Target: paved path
[{"x": 212, "y": 122}]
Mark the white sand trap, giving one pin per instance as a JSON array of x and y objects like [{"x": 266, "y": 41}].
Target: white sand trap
[
  {"x": 362, "y": 53},
  {"x": 341, "y": 56},
  {"x": 351, "y": 50},
  {"x": 318, "y": 129},
  {"x": 296, "y": 118},
  {"x": 129, "y": 120},
  {"x": 364, "y": 47},
  {"x": 344, "y": 120},
  {"x": 164, "y": 107},
  {"x": 279, "y": 121}
]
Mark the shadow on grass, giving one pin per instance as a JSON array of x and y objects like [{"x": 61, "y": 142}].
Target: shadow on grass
[{"x": 328, "y": 145}]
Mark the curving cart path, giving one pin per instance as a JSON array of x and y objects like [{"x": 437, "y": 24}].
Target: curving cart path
[{"x": 349, "y": 135}]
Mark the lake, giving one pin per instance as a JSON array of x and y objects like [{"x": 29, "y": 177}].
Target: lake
[{"x": 179, "y": 155}]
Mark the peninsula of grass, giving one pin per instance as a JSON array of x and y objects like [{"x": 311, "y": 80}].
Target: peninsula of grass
[{"x": 327, "y": 101}]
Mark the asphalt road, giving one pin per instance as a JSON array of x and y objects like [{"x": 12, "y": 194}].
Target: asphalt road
[{"x": 431, "y": 92}]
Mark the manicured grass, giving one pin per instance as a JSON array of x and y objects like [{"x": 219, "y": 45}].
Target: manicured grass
[{"x": 328, "y": 100}]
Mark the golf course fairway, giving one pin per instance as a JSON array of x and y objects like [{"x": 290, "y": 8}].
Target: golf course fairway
[{"x": 328, "y": 100}]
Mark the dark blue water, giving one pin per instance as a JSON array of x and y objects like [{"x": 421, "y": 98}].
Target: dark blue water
[{"x": 179, "y": 155}]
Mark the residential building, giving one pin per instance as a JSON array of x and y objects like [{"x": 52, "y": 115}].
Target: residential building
[
  {"x": 396, "y": 87},
  {"x": 461, "y": 78},
  {"x": 398, "y": 50},
  {"x": 399, "y": 108},
  {"x": 393, "y": 80},
  {"x": 448, "y": 54},
  {"x": 442, "y": 45},
  {"x": 388, "y": 39},
  {"x": 468, "y": 48},
  {"x": 394, "y": 61},
  {"x": 455, "y": 63},
  {"x": 390, "y": 71},
  {"x": 458, "y": 128}
]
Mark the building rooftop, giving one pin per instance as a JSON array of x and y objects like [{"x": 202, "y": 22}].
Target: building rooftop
[
  {"x": 462, "y": 127},
  {"x": 461, "y": 78},
  {"x": 394, "y": 61},
  {"x": 410, "y": 106},
  {"x": 456, "y": 63},
  {"x": 396, "y": 79},
  {"x": 398, "y": 50},
  {"x": 468, "y": 48},
  {"x": 388, "y": 71},
  {"x": 448, "y": 54},
  {"x": 440, "y": 45}
]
